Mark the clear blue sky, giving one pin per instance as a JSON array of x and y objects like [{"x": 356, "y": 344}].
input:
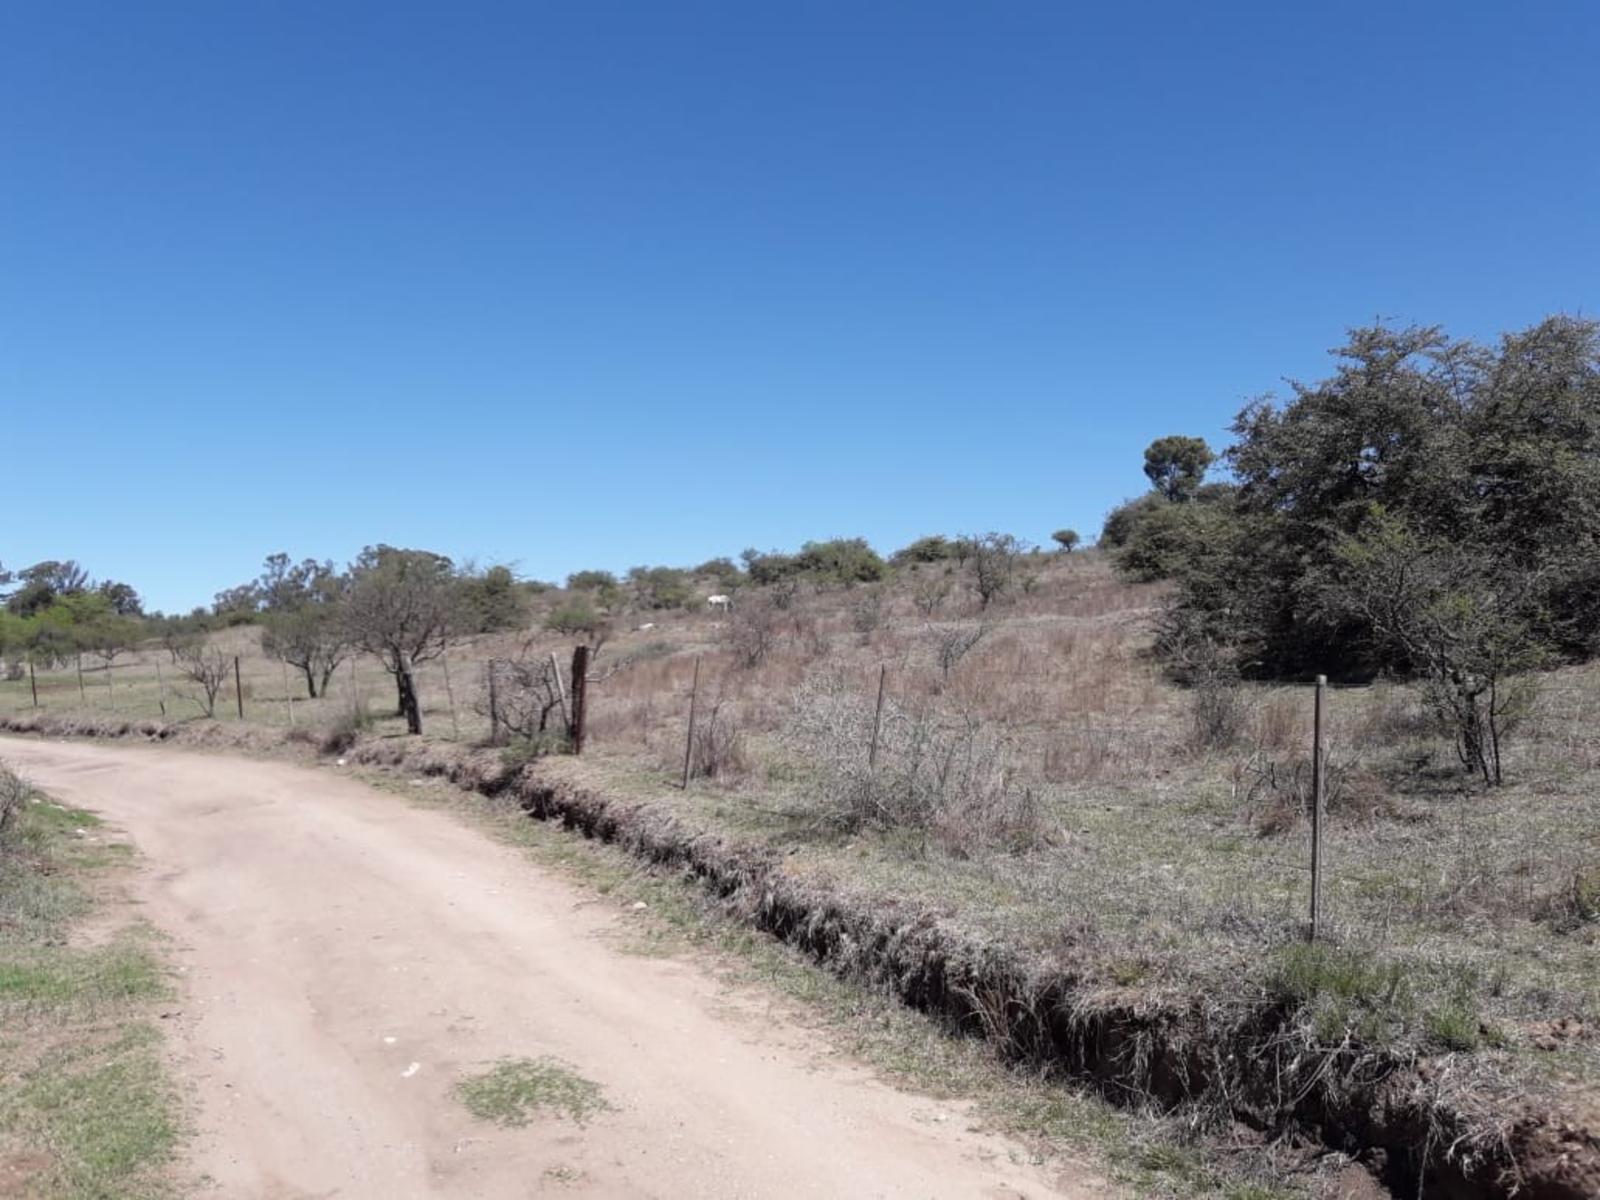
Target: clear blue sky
[{"x": 601, "y": 284}]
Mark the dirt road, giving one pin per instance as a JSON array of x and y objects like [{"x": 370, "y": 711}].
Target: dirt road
[{"x": 345, "y": 958}]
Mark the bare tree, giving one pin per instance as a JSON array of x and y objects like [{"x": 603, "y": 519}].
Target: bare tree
[
  {"x": 930, "y": 593},
  {"x": 951, "y": 643},
  {"x": 208, "y": 667},
  {"x": 314, "y": 639},
  {"x": 751, "y": 630},
  {"x": 522, "y": 694},
  {"x": 401, "y": 608},
  {"x": 1468, "y": 621}
]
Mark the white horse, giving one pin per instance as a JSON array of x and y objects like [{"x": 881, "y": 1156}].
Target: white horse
[{"x": 719, "y": 603}]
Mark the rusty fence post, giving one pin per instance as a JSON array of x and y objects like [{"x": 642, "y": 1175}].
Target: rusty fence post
[{"x": 580, "y": 695}]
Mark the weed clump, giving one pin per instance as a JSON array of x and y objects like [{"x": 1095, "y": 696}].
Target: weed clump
[{"x": 514, "y": 1090}]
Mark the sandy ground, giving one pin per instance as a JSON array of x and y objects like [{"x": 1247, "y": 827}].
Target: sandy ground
[{"x": 344, "y": 958}]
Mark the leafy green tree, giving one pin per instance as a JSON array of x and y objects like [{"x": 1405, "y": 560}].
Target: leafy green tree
[
  {"x": 44, "y": 584},
  {"x": 1176, "y": 465},
  {"x": 580, "y": 618},
  {"x": 723, "y": 571},
  {"x": 124, "y": 601},
  {"x": 491, "y": 602},
  {"x": 769, "y": 568},
  {"x": 840, "y": 560},
  {"x": 934, "y": 548},
  {"x": 591, "y": 581},
  {"x": 661, "y": 587},
  {"x": 1066, "y": 539},
  {"x": 1492, "y": 451}
]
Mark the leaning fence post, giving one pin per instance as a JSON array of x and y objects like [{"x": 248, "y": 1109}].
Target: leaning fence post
[
  {"x": 877, "y": 721},
  {"x": 33, "y": 683},
  {"x": 1316, "y": 808},
  {"x": 161, "y": 684},
  {"x": 688, "y": 742},
  {"x": 580, "y": 695},
  {"x": 238, "y": 687}
]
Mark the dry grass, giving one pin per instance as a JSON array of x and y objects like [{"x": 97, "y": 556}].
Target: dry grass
[{"x": 1188, "y": 860}]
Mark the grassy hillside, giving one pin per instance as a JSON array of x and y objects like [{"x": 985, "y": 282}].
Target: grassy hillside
[{"x": 1040, "y": 780}]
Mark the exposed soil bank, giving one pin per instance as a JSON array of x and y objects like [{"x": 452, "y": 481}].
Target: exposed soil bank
[{"x": 1242, "y": 1054}]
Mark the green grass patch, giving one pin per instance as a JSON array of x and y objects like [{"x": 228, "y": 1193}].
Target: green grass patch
[
  {"x": 515, "y": 1090},
  {"x": 85, "y": 1106}
]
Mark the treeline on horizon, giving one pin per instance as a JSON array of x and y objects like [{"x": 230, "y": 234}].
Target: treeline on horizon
[
  {"x": 1431, "y": 510},
  {"x": 404, "y": 606}
]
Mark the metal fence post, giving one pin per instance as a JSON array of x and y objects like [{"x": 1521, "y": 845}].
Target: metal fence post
[{"x": 1316, "y": 808}]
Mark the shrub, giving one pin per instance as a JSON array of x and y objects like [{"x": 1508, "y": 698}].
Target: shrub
[
  {"x": 938, "y": 772},
  {"x": 932, "y": 549},
  {"x": 841, "y": 560},
  {"x": 866, "y": 614},
  {"x": 718, "y": 750},
  {"x": 14, "y": 793},
  {"x": 751, "y": 631},
  {"x": 582, "y": 619},
  {"x": 930, "y": 593},
  {"x": 994, "y": 558},
  {"x": 591, "y": 581},
  {"x": 343, "y": 731},
  {"x": 661, "y": 587}
]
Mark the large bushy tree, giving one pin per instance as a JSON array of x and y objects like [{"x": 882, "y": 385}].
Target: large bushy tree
[
  {"x": 402, "y": 607},
  {"x": 1429, "y": 485}
]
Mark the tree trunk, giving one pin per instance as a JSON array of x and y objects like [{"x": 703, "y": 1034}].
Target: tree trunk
[
  {"x": 327, "y": 673},
  {"x": 311, "y": 681},
  {"x": 409, "y": 708}
]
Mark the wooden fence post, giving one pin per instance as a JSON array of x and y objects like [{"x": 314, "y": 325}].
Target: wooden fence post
[
  {"x": 33, "y": 683},
  {"x": 877, "y": 721},
  {"x": 83, "y": 696},
  {"x": 1316, "y": 808},
  {"x": 688, "y": 742},
  {"x": 161, "y": 683},
  {"x": 580, "y": 695},
  {"x": 238, "y": 687},
  {"x": 288, "y": 700},
  {"x": 494, "y": 702}
]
